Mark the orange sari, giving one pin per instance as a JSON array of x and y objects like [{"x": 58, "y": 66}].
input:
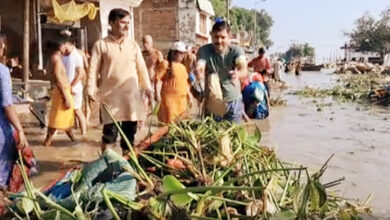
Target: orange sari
[{"x": 174, "y": 92}]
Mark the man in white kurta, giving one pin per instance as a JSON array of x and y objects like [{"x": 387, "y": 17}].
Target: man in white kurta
[{"x": 118, "y": 64}]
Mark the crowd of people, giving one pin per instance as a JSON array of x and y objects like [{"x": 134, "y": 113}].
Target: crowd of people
[{"x": 131, "y": 82}]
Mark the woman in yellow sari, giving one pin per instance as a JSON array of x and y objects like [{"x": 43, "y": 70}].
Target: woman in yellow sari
[
  {"x": 174, "y": 83},
  {"x": 61, "y": 115}
]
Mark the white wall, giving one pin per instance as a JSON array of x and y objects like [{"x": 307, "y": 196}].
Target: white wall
[
  {"x": 106, "y": 6},
  {"x": 209, "y": 24},
  {"x": 387, "y": 60},
  {"x": 358, "y": 55}
]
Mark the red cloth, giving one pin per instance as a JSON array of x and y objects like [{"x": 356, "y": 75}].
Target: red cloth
[
  {"x": 244, "y": 83},
  {"x": 16, "y": 179},
  {"x": 260, "y": 64},
  {"x": 258, "y": 77}
]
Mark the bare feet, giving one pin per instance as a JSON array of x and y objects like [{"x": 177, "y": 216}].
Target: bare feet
[
  {"x": 47, "y": 143},
  {"x": 71, "y": 135},
  {"x": 49, "y": 138}
]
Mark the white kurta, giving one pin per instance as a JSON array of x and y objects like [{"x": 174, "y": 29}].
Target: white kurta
[{"x": 122, "y": 74}]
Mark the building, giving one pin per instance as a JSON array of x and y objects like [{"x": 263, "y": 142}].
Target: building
[
  {"x": 41, "y": 28},
  {"x": 351, "y": 54},
  {"x": 168, "y": 21}
]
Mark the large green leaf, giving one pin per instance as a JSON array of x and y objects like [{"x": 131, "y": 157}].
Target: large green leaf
[
  {"x": 344, "y": 215},
  {"x": 242, "y": 134},
  {"x": 314, "y": 196},
  {"x": 321, "y": 192},
  {"x": 170, "y": 183},
  {"x": 302, "y": 212},
  {"x": 256, "y": 137}
]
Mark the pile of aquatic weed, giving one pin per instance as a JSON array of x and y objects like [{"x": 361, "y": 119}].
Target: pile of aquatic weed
[
  {"x": 199, "y": 170},
  {"x": 359, "y": 88}
]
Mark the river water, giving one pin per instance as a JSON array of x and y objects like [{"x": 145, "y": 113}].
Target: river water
[{"x": 309, "y": 131}]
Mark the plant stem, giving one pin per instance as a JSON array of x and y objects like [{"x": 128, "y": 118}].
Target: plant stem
[
  {"x": 286, "y": 187},
  {"x": 207, "y": 188},
  {"x": 133, "y": 156},
  {"x": 28, "y": 186},
  {"x": 54, "y": 205},
  {"x": 123, "y": 200},
  {"x": 260, "y": 172},
  {"x": 224, "y": 199},
  {"x": 109, "y": 205}
]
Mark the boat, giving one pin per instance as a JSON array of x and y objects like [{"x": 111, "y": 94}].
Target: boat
[{"x": 312, "y": 67}]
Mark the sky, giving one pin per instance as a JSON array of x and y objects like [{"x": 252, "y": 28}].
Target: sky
[{"x": 321, "y": 23}]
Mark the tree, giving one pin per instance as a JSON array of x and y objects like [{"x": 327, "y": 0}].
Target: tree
[
  {"x": 371, "y": 35},
  {"x": 308, "y": 51},
  {"x": 299, "y": 51},
  {"x": 219, "y": 7},
  {"x": 263, "y": 29},
  {"x": 243, "y": 19}
]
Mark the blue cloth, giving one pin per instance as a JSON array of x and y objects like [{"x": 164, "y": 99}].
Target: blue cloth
[
  {"x": 255, "y": 100},
  {"x": 62, "y": 188},
  {"x": 235, "y": 110},
  {"x": 192, "y": 77},
  {"x": 7, "y": 146}
]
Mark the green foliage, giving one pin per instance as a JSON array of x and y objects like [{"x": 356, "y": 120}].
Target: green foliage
[
  {"x": 242, "y": 19},
  {"x": 298, "y": 51},
  {"x": 308, "y": 51},
  {"x": 357, "y": 88},
  {"x": 371, "y": 35},
  {"x": 171, "y": 183},
  {"x": 219, "y": 7},
  {"x": 264, "y": 24},
  {"x": 255, "y": 184}
]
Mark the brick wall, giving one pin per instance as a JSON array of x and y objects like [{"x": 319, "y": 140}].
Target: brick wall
[
  {"x": 158, "y": 18},
  {"x": 12, "y": 25}
]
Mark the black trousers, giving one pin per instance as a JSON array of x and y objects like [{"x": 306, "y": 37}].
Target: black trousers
[{"x": 110, "y": 133}]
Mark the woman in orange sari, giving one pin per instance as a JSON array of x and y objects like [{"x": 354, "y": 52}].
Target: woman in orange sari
[{"x": 173, "y": 79}]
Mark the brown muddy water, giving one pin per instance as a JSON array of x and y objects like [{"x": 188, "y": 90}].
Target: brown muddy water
[
  {"x": 308, "y": 131},
  {"x": 305, "y": 130}
]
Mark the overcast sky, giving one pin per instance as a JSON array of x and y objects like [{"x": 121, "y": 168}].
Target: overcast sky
[{"x": 320, "y": 23}]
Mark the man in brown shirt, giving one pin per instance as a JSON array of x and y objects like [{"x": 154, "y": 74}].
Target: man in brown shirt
[
  {"x": 153, "y": 58},
  {"x": 123, "y": 79}
]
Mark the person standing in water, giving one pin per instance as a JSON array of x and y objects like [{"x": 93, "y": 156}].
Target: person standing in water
[
  {"x": 229, "y": 62},
  {"x": 262, "y": 65}
]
